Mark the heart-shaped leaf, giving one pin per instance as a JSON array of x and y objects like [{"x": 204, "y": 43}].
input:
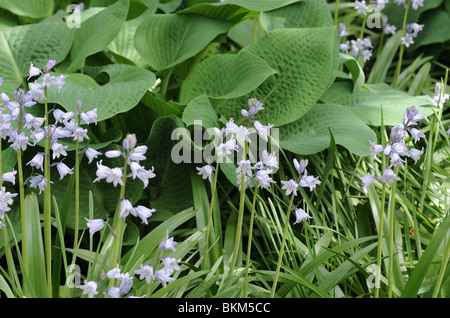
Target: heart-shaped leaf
[
  {"x": 29, "y": 8},
  {"x": 367, "y": 103},
  {"x": 165, "y": 40},
  {"x": 311, "y": 133},
  {"x": 304, "y": 61},
  {"x": 225, "y": 76},
  {"x": 97, "y": 32},
  {"x": 36, "y": 43},
  {"x": 127, "y": 84}
]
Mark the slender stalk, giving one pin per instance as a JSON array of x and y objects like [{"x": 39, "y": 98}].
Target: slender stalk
[
  {"x": 402, "y": 49},
  {"x": 208, "y": 227},
  {"x": 47, "y": 205},
  {"x": 283, "y": 243},
  {"x": 363, "y": 26},
  {"x": 380, "y": 240},
  {"x": 391, "y": 234},
  {"x": 440, "y": 278},
  {"x": 77, "y": 190},
  {"x": 238, "y": 237},
  {"x": 118, "y": 219},
  {"x": 250, "y": 233},
  {"x": 7, "y": 248},
  {"x": 23, "y": 215},
  {"x": 336, "y": 12}
]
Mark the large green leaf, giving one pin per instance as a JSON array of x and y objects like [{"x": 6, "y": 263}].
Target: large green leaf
[
  {"x": 225, "y": 76},
  {"x": 367, "y": 103},
  {"x": 303, "y": 14},
  {"x": 200, "y": 109},
  {"x": 125, "y": 88},
  {"x": 171, "y": 189},
  {"x": 260, "y": 5},
  {"x": 311, "y": 133},
  {"x": 36, "y": 43},
  {"x": 97, "y": 32},
  {"x": 304, "y": 61},
  {"x": 434, "y": 21},
  {"x": 165, "y": 40},
  {"x": 29, "y": 8}
]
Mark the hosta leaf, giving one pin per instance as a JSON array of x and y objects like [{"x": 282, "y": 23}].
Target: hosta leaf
[
  {"x": 200, "y": 109},
  {"x": 225, "y": 76},
  {"x": 311, "y": 133},
  {"x": 35, "y": 43},
  {"x": 304, "y": 61},
  {"x": 260, "y": 5},
  {"x": 125, "y": 88},
  {"x": 165, "y": 40},
  {"x": 303, "y": 14},
  {"x": 171, "y": 189},
  {"x": 29, "y": 8},
  {"x": 367, "y": 103},
  {"x": 97, "y": 32}
]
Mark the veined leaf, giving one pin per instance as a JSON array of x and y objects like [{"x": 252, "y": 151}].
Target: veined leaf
[
  {"x": 97, "y": 32},
  {"x": 225, "y": 76},
  {"x": 165, "y": 40},
  {"x": 366, "y": 103},
  {"x": 29, "y": 8},
  {"x": 304, "y": 61},
  {"x": 127, "y": 84},
  {"x": 36, "y": 43},
  {"x": 310, "y": 134}
]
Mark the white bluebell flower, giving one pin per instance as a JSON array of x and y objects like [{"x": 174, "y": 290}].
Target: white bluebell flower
[
  {"x": 361, "y": 7},
  {"x": 263, "y": 178},
  {"x": 309, "y": 181},
  {"x": 125, "y": 208},
  {"x": 388, "y": 176},
  {"x": 301, "y": 215},
  {"x": 290, "y": 186},
  {"x": 38, "y": 181},
  {"x": 171, "y": 264},
  {"x": 342, "y": 31},
  {"x": 114, "y": 273},
  {"x": 33, "y": 71},
  {"x": 63, "y": 170},
  {"x": 37, "y": 161},
  {"x": 91, "y": 154},
  {"x": 367, "y": 181},
  {"x": 145, "y": 272},
  {"x": 58, "y": 150},
  {"x": 206, "y": 172},
  {"x": 103, "y": 172},
  {"x": 415, "y": 154},
  {"x": 94, "y": 225},
  {"x": 163, "y": 277},
  {"x": 89, "y": 288},
  {"x": 167, "y": 244},
  {"x": 416, "y": 4},
  {"x": 138, "y": 171},
  {"x": 9, "y": 176},
  {"x": 143, "y": 213}
]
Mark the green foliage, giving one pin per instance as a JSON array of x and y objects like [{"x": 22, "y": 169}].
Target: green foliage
[{"x": 156, "y": 69}]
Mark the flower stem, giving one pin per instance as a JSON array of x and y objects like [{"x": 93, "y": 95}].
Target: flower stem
[
  {"x": 238, "y": 237},
  {"x": 7, "y": 248},
  {"x": 402, "y": 49},
  {"x": 47, "y": 206},
  {"x": 283, "y": 243},
  {"x": 119, "y": 220},
  {"x": 250, "y": 233},
  {"x": 391, "y": 234},
  {"x": 208, "y": 227},
  {"x": 23, "y": 216},
  {"x": 380, "y": 240}
]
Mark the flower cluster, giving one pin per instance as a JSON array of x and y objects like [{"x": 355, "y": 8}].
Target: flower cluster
[
  {"x": 146, "y": 272},
  {"x": 133, "y": 154},
  {"x": 6, "y": 199},
  {"x": 396, "y": 148},
  {"x": 238, "y": 135},
  {"x": 304, "y": 180},
  {"x": 358, "y": 47},
  {"x": 411, "y": 32}
]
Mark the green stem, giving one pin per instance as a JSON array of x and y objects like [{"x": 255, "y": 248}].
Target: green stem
[
  {"x": 238, "y": 238},
  {"x": 380, "y": 240},
  {"x": 402, "y": 49},
  {"x": 211, "y": 207},
  {"x": 363, "y": 26},
  {"x": 250, "y": 233},
  {"x": 47, "y": 206},
  {"x": 440, "y": 278},
  {"x": 283, "y": 243},
  {"x": 119, "y": 220},
  {"x": 7, "y": 248},
  {"x": 391, "y": 234},
  {"x": 23, "y": 215},
  {"x": 336, "y": 12}
]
